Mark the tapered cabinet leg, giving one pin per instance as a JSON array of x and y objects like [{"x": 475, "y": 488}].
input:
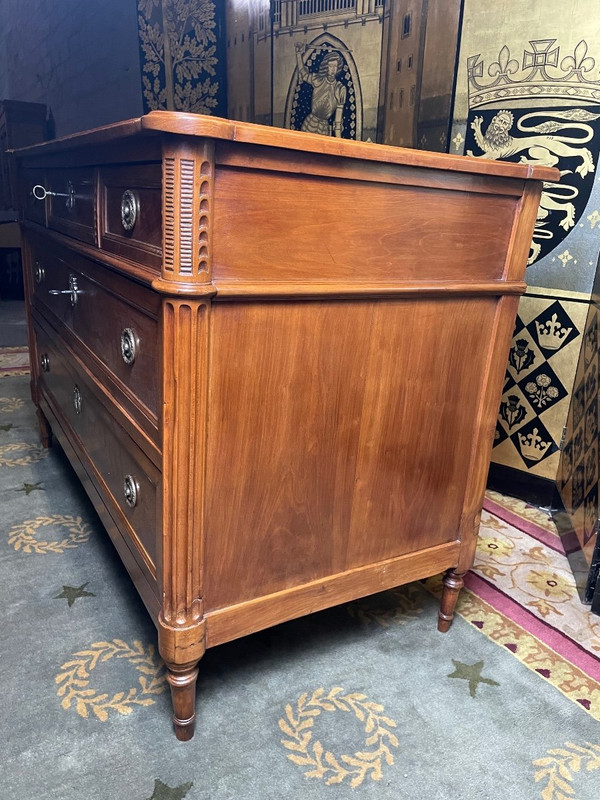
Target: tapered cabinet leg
[
  {"x": 45, "y": 429},
  {"x": 182, "y": 680},
  {"x": 453, "y": 583}
]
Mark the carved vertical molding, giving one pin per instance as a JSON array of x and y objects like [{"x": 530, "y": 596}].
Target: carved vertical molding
[
  {"x": 185, "y": 325},
  {"x": 188, "y": 173}
]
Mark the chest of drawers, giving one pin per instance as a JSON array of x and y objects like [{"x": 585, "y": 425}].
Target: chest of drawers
[{"x": 273, "y": 358}]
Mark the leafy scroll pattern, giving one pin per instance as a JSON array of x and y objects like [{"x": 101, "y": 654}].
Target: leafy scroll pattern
[
  {"x": 23, "y": 536},
  {"x": 557, "y": 769},
  {"x": 10, "y": 404},
  {"x": 74, "y": 679},
  {"x": 21, "y": 454},
  {"x": 397, "y": 607},
  {"x": 179, "y": 55},
  {"x": 307, "y": 751}
]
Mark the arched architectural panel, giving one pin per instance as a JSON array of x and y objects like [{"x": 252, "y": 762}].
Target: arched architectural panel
[{"x": 319, "y": 89}]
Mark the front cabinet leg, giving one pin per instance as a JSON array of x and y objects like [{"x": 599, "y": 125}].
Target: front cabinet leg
[
  {"x": 453, "y": 583},
  {"x": 182, "y": 679},
  {"x": 181, "y": 649}
]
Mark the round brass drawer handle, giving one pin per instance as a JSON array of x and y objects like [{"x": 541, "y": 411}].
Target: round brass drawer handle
[
  {"x": 131, "y": 490},
  {"x": 130, "y": 208},
  {"x": 129, "y": 345},
  {"x": 39, "y": 272},
  {"x": 45, "y": 362},
  {"x": 77, "y": 400}
]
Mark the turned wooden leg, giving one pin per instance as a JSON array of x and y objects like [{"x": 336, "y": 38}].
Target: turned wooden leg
[
  {"x": 45, "y": 429},
  {"x": 453, "y": 583},
  {"x": 182, "y": 679}
]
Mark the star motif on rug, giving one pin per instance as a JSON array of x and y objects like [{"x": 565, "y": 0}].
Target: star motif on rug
[
  {"x": 31, "y": 487},
  {"x": 6, "y": 427},
  {"x": 472, "y": 674},
  {"x": 71, "y": 593},
  {"x": 164, "y": 792}
]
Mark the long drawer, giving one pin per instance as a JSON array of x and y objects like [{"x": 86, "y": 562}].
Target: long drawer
[
  {"x": 127, "y": 480},
  {"x": 114, "y": 318},
  {"x": 116, "y": 207}
]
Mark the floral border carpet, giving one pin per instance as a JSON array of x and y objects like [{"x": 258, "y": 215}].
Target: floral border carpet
[
  {"x": 365, "y": 700},
  {"x": 522, "y": 595},
  {"x": 14, "y": 361}
]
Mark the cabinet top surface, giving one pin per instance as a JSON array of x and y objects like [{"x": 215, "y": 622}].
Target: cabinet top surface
[{"x": 179, "y": 123}]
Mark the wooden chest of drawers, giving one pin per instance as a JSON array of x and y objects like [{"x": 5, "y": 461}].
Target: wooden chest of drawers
[{"x": 273, "y": 358}]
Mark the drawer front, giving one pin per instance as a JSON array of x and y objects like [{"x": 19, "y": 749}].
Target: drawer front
[
  {"x": 71, "y": 207},
  {"x": 91, "y": 301},
  {"x": 34, "y": 210},
  {"x": 130, "y": 480},
  {"x": 131, "y": 219}
]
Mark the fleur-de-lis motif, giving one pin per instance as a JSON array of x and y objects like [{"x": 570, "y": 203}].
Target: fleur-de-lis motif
[
  {"x": 505, "y": 65},
  {"x": 533, "y": 446},
  {"x": 580, "y": 61},
  {"x": 552, "y": 334}
]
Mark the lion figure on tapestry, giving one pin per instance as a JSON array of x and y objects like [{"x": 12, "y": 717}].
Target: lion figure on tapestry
[{"x": 542, "y": 148}]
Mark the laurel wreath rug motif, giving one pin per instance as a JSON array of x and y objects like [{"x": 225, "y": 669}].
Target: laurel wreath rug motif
[
  {"x": 309, "y": 752},
  {"x": 10, "y": 404},
  {"x": 23, "y": 535},
  {"x": 559, "y": 766},
  {"x": 21, "y": 454},
  {"x": 74, "y": 679},
  {"x": 397, "y": 607}
]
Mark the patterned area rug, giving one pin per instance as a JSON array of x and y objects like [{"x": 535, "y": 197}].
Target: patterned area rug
[
  {"x": 365, "y": 700},
  {"x": 14, "y": 361}
]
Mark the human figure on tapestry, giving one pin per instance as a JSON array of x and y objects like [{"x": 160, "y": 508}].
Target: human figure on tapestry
[{"x": 328, "y": 93}]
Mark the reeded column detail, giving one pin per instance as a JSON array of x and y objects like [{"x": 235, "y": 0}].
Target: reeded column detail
[
  {"x": 184, "y": 393},
  {"x": 188, "y": 172}
]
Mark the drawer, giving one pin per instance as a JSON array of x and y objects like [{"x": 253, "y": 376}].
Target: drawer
[
  {"x": 128, "y": 479},
  {"x": 33, "y": 209},
  {"x": 71, "y": 209},
  {"x": 131, "y": 216},
  {"x": 115, "y": 318}
]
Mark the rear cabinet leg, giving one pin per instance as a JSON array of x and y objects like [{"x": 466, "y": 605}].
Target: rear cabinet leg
[
  {"x": 45, "y": 429},
  {"x": 453, "y": 583}
]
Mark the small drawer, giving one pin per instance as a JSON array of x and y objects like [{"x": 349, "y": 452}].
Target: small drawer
[
  {"x": 72, "y": 200},
  {"x": 34, "y": 209},
  {"x": 113, "y": 317},
  {"x": 129, "y": 480},
  {"x": 131, "y": 220}
]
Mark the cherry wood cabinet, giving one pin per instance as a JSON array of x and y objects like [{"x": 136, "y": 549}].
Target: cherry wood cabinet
[{"x": 273, "y": 358}]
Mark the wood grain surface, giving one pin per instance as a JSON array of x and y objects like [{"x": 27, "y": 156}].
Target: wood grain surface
[{"x": 323, "y": 328}]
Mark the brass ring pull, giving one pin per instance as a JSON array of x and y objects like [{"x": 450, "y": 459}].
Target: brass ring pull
[
  {"x": 129, "y": 345},
  {"x": 130, "y": 207},
  {"x": 39, "y": 272},
  {"x": 45, "y": 362},
  {"x": 131, "y": 490}
]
